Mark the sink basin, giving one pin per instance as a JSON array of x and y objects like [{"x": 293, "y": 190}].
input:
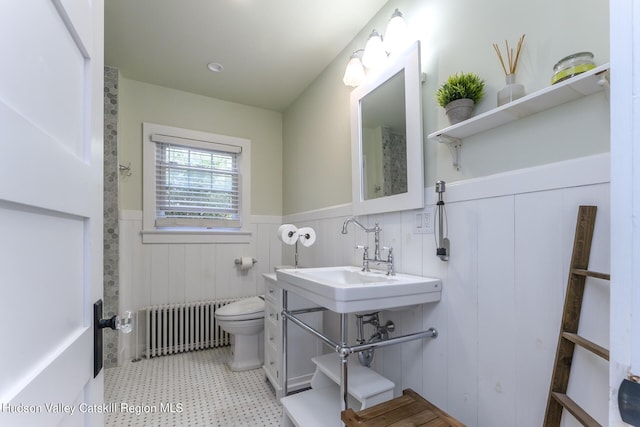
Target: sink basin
[{"x": 347, "y": 289}]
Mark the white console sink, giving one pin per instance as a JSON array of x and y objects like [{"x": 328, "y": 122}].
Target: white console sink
[{"x": 347, "y": 289}]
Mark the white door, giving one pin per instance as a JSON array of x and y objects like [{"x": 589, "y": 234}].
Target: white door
[
  {"x": 51, "y": 79},
  {"x": 625, "y": 199}
]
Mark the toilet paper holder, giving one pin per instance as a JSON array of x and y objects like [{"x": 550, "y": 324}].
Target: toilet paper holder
[{"x": 238, "y": 261}]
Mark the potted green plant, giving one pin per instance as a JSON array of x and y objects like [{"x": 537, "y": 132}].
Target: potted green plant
[{"x": 459, "y": 94}]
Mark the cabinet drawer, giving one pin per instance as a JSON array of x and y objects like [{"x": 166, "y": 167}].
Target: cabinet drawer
[
  {"x": 271, "y": 362},
  {"x": 272, "y": 291},
  {"x": 271, "y": 313},
  {"x": 271, "y": 333}
]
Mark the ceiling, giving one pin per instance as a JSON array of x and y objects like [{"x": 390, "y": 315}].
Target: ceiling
[{"x": 271, "y": 50}]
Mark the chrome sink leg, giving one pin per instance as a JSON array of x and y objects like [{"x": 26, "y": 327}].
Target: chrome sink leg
[
  {"x": 283, "y": 318},
  {"x": 344, "y": 353}
]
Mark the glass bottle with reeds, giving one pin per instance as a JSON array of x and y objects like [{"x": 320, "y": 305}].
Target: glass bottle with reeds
[{"x": 512, "y": 90}]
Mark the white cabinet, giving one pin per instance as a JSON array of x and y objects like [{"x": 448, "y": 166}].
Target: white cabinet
[{"x": 302, "y": 345}]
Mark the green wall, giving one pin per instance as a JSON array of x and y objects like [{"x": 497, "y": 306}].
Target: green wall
[
  {"x": 302, "y": 157},
  {"x": 316, "y": 147},
  {"x": 142, "y": 102},
  {"x": 457, "y": 36}
]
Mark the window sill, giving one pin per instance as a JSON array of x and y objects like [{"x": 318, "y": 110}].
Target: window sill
[{"x": 196, "y": 236}]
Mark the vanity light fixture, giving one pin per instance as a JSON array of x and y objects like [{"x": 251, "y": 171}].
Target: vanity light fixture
[
  {"x": 377, "y": 50},
  {"x": 354, "y": 74}
]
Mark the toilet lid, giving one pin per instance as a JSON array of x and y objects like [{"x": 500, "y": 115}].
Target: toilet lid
[{"x": 249, "y": 308}]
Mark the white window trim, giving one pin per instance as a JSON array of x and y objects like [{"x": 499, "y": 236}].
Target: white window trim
[{"x": 151, "y": 234}]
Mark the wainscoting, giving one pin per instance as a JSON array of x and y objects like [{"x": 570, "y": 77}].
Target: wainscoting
[
  {"x": 503, "y": 287},
  {"x": 152, "y": 274},
  {"x": 503, "y": 291}
]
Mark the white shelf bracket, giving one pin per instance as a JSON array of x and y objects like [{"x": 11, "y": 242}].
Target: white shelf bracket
[
  {"x": 604, "y": 81},
  {"x": 455, "y": 147}
]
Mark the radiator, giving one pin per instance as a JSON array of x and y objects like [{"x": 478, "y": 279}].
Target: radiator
[{"x": 176, "y": 328}]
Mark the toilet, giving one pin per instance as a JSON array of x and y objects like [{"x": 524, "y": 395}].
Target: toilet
[{"x": 244, "y": 320}]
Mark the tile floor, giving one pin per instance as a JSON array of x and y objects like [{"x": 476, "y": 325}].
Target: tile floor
[{"x": 189, "y": 389}]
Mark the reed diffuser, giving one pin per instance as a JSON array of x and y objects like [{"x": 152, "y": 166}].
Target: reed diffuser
[{"x": 512, "y": 90}]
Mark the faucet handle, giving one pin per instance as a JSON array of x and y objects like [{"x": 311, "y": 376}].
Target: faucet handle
[
  {"x": 389, "y": 254},
  {"x": 390, "y": 270},
  {"x": 366, "y": 250},
  {"x": 365, "y": 257}
]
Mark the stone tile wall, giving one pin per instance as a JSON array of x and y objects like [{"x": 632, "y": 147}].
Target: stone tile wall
[{"x": 111, "y": 230}]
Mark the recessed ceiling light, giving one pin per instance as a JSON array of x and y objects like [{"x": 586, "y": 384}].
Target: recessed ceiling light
[{"x": 215, "y": 67}]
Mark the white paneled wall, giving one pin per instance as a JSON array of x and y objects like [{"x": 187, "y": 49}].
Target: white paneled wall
[
  {"x": 503, "y": 292},
  {"x": 503, "y": 287},
  {"x": 176, "y": 273},
  {"x": 496, "y": 311}
]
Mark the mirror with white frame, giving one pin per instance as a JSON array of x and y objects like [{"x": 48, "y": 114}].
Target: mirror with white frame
[{"x": 386, "y": 138}]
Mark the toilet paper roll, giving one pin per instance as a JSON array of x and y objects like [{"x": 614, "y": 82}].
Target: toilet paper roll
[
  {"x": 284, "y": 227},
  {"x": 246, "y": 262},
  {"x": 307, "y": 236},
  {"x": 288, "y": 233}
]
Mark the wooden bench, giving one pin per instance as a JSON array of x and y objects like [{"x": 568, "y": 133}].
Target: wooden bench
[{"x": 408, "y": 410}]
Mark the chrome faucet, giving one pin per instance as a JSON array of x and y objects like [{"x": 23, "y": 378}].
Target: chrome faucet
[{"x": 376, "y": 229}]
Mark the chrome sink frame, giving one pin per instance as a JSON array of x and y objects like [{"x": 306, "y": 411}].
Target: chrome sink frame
[{"x": 340, "y": 347}]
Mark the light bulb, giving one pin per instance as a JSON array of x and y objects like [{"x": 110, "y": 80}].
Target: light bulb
[
  {"x": 396, "y": 37},
  {"x": 374, "y": 54},
  {"x": 354, "y": 73}
]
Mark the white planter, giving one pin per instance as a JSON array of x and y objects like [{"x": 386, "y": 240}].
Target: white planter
[{"x": 459, "y": 110}]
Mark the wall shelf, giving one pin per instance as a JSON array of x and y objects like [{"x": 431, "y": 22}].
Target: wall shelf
[
  {"x": 320, "y": 406},
  {"x": 585, "y": 84}
]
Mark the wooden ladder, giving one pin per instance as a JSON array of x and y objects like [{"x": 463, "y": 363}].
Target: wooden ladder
[{"x": 569, "y": 338}]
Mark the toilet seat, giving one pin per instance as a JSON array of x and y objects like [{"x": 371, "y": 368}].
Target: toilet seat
[{"x": 245, "y": 309}]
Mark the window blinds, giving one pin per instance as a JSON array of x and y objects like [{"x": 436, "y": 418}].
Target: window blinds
[{"x": 197, "y": 183}]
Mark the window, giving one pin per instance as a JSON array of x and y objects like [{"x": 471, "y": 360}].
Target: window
[
  {"x": 193, "y": 181},
  {"x": 196, "y": 186}
]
